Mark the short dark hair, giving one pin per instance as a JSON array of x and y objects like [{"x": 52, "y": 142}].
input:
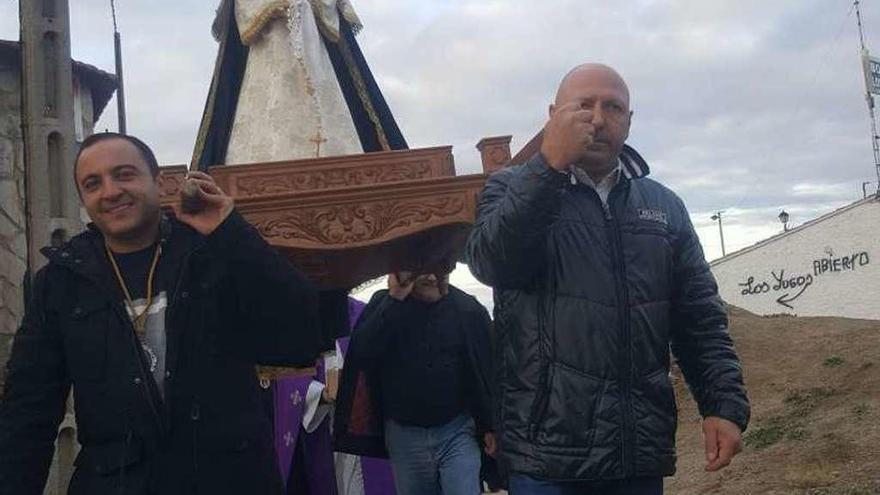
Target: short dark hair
[{"x": 141, "y": 146}]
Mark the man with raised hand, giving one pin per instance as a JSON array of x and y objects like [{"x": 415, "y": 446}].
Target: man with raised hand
[
  {"x": 597, "y": 271},
  {"x": 157, "y": 322},
  {"x": 416, "y": 386}
]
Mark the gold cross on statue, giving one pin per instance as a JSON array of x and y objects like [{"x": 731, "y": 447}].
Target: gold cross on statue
[{"x": 318, "y": 139}]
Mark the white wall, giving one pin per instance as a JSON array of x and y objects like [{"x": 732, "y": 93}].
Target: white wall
[{"x": 830, "y": 267}]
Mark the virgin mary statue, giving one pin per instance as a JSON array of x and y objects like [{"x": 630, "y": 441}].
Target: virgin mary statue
[{"x": 290, "y": 82}]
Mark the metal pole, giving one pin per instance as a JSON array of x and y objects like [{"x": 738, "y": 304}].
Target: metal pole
[
  {"x": 864, "y": 189},
  {"x": 869, "y": 98},
  {"x": 717, "y": 216},
  {"x": 859, "y": 20},
  {"x": 120, "y": 91}
]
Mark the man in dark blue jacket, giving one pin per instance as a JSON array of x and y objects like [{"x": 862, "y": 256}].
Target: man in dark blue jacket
[
  {"x": 156, "y": 322},
  {"x": 597, "y": 271}
]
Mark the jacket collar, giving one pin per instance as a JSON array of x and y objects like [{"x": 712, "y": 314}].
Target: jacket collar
[
  {"x": 84, "y": 253},
  {"x": 633, "y": 165}
]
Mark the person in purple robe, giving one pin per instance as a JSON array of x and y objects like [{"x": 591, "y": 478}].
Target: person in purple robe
[{"x": 303, "y": 412}]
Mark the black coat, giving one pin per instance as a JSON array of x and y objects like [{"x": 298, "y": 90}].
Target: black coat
[
  {"x": 588, "y": 301},
  {"x": 233, "y": 302},
  {"x": 359, "y": 426}
]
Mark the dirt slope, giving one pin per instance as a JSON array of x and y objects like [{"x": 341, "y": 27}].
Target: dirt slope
[{"x": 814, "y": 384}]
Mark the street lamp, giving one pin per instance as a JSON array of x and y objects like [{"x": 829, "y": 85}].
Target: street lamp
[
  {"x": 783, "y": 217},
  {"x": 717, "y": 217}
]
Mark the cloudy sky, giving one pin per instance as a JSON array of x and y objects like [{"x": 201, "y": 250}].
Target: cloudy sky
[{"x": 749, "y": 107}]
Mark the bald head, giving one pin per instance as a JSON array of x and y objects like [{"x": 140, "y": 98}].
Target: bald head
[
  {"x": 591, "y": 76},
  {"x": 593, "y": 99}
]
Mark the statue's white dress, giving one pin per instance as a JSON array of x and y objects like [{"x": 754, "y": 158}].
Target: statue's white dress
[{"x": 290, "y": 105}]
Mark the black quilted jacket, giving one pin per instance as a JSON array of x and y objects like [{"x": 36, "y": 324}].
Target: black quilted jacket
[{"x": 589, "y": 301}]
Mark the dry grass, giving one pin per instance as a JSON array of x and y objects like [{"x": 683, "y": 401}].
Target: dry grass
[{"x": 814, "y": 384}]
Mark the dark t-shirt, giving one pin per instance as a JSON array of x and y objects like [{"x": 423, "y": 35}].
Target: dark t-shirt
[
  {"x": 423, "y": 370},
  {"x": 135, "y": 269}
]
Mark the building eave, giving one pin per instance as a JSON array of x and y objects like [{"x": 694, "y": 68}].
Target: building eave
[{"x": 100, "y": 83}]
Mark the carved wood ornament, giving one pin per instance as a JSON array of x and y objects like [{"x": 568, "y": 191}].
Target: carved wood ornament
[{"x": 345, "y": 220}]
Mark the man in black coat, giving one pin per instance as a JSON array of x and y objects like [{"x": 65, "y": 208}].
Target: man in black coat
[
  {"x": 156, "y": 322},
  {"x": 415, "y": 386},
  {"x": 597, "y": 271}
]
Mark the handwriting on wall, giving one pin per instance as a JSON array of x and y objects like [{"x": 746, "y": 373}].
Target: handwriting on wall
[
  {"x": 847, "y": 263},
  {"x": 791, "y": 286}
]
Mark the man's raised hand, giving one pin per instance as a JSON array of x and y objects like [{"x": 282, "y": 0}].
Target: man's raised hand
[
  {"x": 401, "y": 284},
  {"x": 204, "y": 206},
  {"x": 567, "y": 134}
]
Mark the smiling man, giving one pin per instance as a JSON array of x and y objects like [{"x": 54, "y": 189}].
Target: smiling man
[
  {"x": 156, "y": 321},
  {"x": 597, "y": 271}
]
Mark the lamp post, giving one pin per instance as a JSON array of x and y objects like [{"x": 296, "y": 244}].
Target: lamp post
[
  {"x": 717, "y": 217},
  {"x": 783, "y": 217},
  {"x": 865, "y": 189}
]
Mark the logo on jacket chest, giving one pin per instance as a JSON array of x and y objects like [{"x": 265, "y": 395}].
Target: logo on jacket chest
[{"x": 651, "y": 215}]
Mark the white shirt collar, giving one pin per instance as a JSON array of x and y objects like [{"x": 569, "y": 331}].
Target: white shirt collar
[{"x": 609, "y": 181}]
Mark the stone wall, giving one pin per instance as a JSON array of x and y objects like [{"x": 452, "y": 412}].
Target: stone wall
[{"x": 13, "y": 243}]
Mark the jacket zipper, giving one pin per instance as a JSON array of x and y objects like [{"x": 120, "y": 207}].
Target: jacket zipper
[
  {"x": 625, "y": 369},
  {"x": 145, "y": 376}
]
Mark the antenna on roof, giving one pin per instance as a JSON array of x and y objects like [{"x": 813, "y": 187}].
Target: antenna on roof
[
  {"x": 120, "y": 90},
  {"x": 871, "y": 67}
]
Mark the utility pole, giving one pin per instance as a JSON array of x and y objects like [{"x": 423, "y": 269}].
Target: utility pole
[
  {"x": 52, "y": 204},
  {"x": 869, "y": 97},
  {"x": 717, "y": 217},
  {"x": 120, "y": 90}
]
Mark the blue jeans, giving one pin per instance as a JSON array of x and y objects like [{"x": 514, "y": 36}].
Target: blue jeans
[
  {"x": 433, "y": 461},
  {"x": 521, "y": 484}
]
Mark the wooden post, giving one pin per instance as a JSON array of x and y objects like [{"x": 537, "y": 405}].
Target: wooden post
[{"x": 495, "y": 152}]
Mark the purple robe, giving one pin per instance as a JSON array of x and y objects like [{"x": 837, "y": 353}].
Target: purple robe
[
  {"x": 290, "y": 408},
  {"x": 290, "y": 397}
]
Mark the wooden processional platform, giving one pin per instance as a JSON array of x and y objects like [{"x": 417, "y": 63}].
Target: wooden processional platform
[{"x": 348, "y": 219}]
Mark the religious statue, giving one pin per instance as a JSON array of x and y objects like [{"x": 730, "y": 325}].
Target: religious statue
[{"x": 290, "y": 82}]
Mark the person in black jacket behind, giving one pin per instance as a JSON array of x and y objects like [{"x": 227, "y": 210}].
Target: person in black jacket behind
[
  {"x": 157, "y": 323},
  {"x": 597, "y": 271},
  {"x": 415, "y": 386}
]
